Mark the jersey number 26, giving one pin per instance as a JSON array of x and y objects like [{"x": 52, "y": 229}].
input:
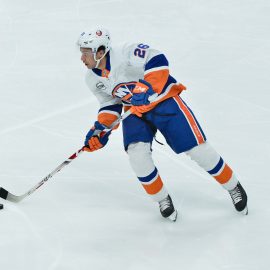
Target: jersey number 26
[{"x": 141, "y": 50}]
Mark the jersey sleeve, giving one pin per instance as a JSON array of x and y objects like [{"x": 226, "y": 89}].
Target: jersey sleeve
[
  {"x": 156, "y": 72},
  {"x": 152, "y": 62},
  {"x": 110, "y": 107},
  {"x": 109, "y": 114}
]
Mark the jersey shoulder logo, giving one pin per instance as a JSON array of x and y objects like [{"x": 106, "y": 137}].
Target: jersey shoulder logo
[{"x": 100, "y": 86}]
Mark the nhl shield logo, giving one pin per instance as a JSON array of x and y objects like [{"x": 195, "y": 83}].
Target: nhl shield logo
[{"x": 100, "y": 86}]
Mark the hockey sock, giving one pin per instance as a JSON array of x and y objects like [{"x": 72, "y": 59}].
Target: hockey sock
[
  {"x": 140, "y": 157},
  {"x": 207, "y": 158}
]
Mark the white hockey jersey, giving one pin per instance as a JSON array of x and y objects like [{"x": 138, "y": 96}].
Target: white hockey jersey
[{"x": 126, "y": 63}]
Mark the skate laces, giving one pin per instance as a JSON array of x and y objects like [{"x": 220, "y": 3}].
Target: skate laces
[
  {"x": 164, "y": 204},
  {"x": 236, "y": 195}
]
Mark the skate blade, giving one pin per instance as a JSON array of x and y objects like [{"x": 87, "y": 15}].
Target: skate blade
[
  {"x": 173, "y": 216},
  {"x": 245, "y": 211}
]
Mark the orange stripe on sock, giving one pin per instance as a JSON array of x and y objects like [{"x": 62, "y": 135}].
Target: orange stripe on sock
[
  {"x": 154, "y": 187},
  {"x": 225, "y": 175},
  {"x": 190, "y": 119}
]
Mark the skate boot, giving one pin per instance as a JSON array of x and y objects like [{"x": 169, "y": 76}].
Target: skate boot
[
  {"x": 167, "y": 209},
  {"x": 239, "y": 198}
]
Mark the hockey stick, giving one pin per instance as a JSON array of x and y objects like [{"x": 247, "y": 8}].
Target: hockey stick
[{"x": 4, "y": 194}]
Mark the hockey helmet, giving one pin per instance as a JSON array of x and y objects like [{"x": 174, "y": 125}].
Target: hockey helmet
[{"x": 95, "y": 39}]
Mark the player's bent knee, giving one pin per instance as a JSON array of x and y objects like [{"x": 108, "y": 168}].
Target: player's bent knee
[
  {"x": 205, "y": 155},
  {"x": 140, "y": 157}
]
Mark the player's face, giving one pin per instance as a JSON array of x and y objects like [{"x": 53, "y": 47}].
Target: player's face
[{"x": 88, "y": 58}]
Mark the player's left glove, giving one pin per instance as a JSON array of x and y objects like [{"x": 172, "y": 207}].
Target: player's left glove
[
  {"x": 142, "y": 93},
  {"x": 96, "y": 138}
]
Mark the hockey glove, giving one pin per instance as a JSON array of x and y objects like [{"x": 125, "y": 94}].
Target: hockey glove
[
  {"x": 142, "y": 93},
  {"x": 96, "y": 138},
  {"x": 152, "y": 101}
]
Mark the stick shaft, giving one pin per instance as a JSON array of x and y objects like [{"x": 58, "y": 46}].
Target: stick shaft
[{"x": 4, "y": 194}]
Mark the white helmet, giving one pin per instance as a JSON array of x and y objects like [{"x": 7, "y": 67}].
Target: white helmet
[{"x": 95, "y": 39}]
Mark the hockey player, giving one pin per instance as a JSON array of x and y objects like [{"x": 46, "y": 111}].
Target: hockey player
[{"x": 136, "y": 77}]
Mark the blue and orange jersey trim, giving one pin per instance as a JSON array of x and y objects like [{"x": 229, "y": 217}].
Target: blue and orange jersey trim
[
  {"x": 156, "y": 72},
  {"x": 108, "y": 114}
]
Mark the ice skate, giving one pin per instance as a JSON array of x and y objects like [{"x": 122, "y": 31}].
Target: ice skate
[
  {"x": 167, "y": 209},
  {"x": 239, "y": 198}
]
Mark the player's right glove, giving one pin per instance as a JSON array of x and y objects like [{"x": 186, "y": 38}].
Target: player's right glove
[
  {"x": 142, "y": 93},
  {"x": 96, "y": 138}
]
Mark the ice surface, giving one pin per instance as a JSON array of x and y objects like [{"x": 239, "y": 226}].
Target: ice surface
[{"x": 94, "y": 214}]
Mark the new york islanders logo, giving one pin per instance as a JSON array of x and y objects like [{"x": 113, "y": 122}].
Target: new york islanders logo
[{"x": 99, "y": 33}]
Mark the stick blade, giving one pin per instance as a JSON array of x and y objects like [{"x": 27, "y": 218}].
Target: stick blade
[{"x": 3, "y": 193}]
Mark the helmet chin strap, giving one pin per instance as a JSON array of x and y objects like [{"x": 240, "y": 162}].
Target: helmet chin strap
[
  {"x": 97, "y": 64},
  {"x": 98, "y": 60}
]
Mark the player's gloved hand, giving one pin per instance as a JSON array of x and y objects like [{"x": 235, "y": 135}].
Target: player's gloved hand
[
  {"x": 124, "y": 91},
  {"x": 96, "y": 138},
  {"x": 142, "y": 93}
]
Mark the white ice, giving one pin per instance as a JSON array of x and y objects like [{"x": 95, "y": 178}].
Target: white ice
[{"x": 94, "y": 214}]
